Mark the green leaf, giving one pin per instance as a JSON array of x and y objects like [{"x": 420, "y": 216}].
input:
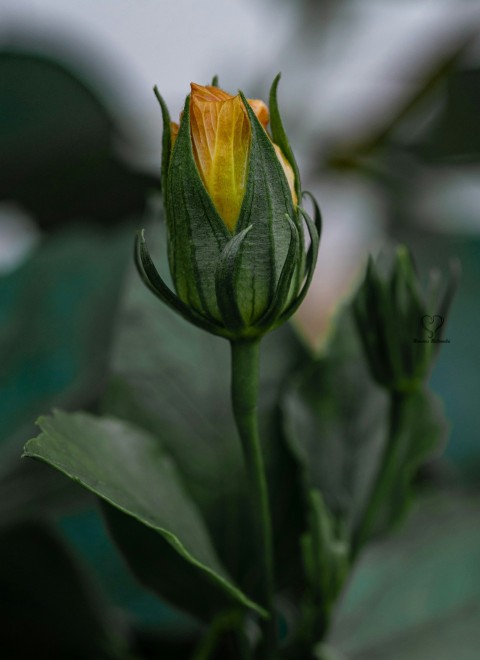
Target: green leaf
[
  {"x": 415, "y": 596},
  {"x": 56, "y": 318},
  {"x": 420, "y": 431},
  {"x": 335, "y": 423},
  {"x": 129, "y": 469}
]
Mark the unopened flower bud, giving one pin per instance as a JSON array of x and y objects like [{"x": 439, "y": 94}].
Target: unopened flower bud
[
  {"x": 400, "y": 329},
  {"x": 235, "y": 227}
]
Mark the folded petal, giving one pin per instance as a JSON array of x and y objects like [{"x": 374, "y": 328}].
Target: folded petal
[{"x": 221, "y": 142}]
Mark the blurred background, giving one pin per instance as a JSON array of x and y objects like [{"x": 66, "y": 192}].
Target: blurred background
[{"x": 381, "y": 102}]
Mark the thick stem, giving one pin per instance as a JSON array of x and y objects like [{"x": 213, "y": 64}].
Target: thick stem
[
  {"x": 386, "y": 471},
  {"x": 245, "y": 375}
]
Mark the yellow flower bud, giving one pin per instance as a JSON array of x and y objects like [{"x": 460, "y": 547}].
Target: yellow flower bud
[
  {"x": 235, "y": 227},
  {"x": 221, "y": 136}
]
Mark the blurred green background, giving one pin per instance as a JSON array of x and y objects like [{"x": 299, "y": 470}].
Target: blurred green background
[{"x": 381, "y": 101}]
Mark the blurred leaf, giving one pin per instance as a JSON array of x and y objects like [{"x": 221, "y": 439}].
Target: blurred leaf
[
  {"x": 86, "y": 532},
  {"x": 415, "y": 596},
  {"x": 413, "y": 106},
  {"x": 421, "y": 428},
  {"x": 29, "y": 491},
  {"x": 129, "y": 469},
  {"x": 77, "y": 173},
  {"x": 47, "y": 606},
  {"x": 454, "y": 135},
  {"x": 335, "y": 422},
  {"x": 56, "y": 317}
]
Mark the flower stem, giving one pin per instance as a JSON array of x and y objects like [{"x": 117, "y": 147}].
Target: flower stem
[
  {"x": 386, "y": 471},
  {"x": 245, "y": 376}
]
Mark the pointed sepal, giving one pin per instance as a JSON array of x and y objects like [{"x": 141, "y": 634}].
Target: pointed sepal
[
  {"x": 280, "y": 137},
  {"x": 152, "y": 279},
  {"x": 226, "y": 281},
  {"x": 166, "y": 138},
  {"x": 314, "y": 228}
]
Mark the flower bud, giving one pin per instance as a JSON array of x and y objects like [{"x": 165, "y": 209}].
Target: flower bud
[
  {"x": 235, "y": 229},
  {"x": 393, "y": 318}
]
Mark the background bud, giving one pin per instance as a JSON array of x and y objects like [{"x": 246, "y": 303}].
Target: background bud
[{"x": 392, "y": 319}]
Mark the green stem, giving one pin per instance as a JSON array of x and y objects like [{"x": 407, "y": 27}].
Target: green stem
[
  {"x": 245, "y": 376},
  {"x": 386, "y": 472}
]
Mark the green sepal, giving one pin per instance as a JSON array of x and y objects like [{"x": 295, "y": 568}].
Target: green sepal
[
  {"x": 196, "y": 233},
  {"x": 378, "y": 330},
  {"x": 226, "y": 281},
  {"x": 266, "y": 201},
  {"x": 214, "y": 82},
  {"x": 280, "y": 137},
  {"x": 152, "y": 279},
  {"x": 407, "y": 307},
  {"x": 166, "y": 138},
  {"x": 314, "y": 229},
  {"x": 367, "y": 329},
  {"x": 283, "y": 287}
]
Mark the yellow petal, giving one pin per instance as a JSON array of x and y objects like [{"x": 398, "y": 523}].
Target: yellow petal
[
  {"x": 221, "y": 143},
  {"x": 261, "y": 110},
  {"x": 287, "y": 168},
  {"x": 208, "y": 93}
]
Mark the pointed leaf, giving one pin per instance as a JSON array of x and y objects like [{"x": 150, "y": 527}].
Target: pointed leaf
[{"x": 128, "y": 469}]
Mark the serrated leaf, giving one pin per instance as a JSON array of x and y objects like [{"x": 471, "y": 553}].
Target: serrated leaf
[{"x": 128, "y": 469}]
